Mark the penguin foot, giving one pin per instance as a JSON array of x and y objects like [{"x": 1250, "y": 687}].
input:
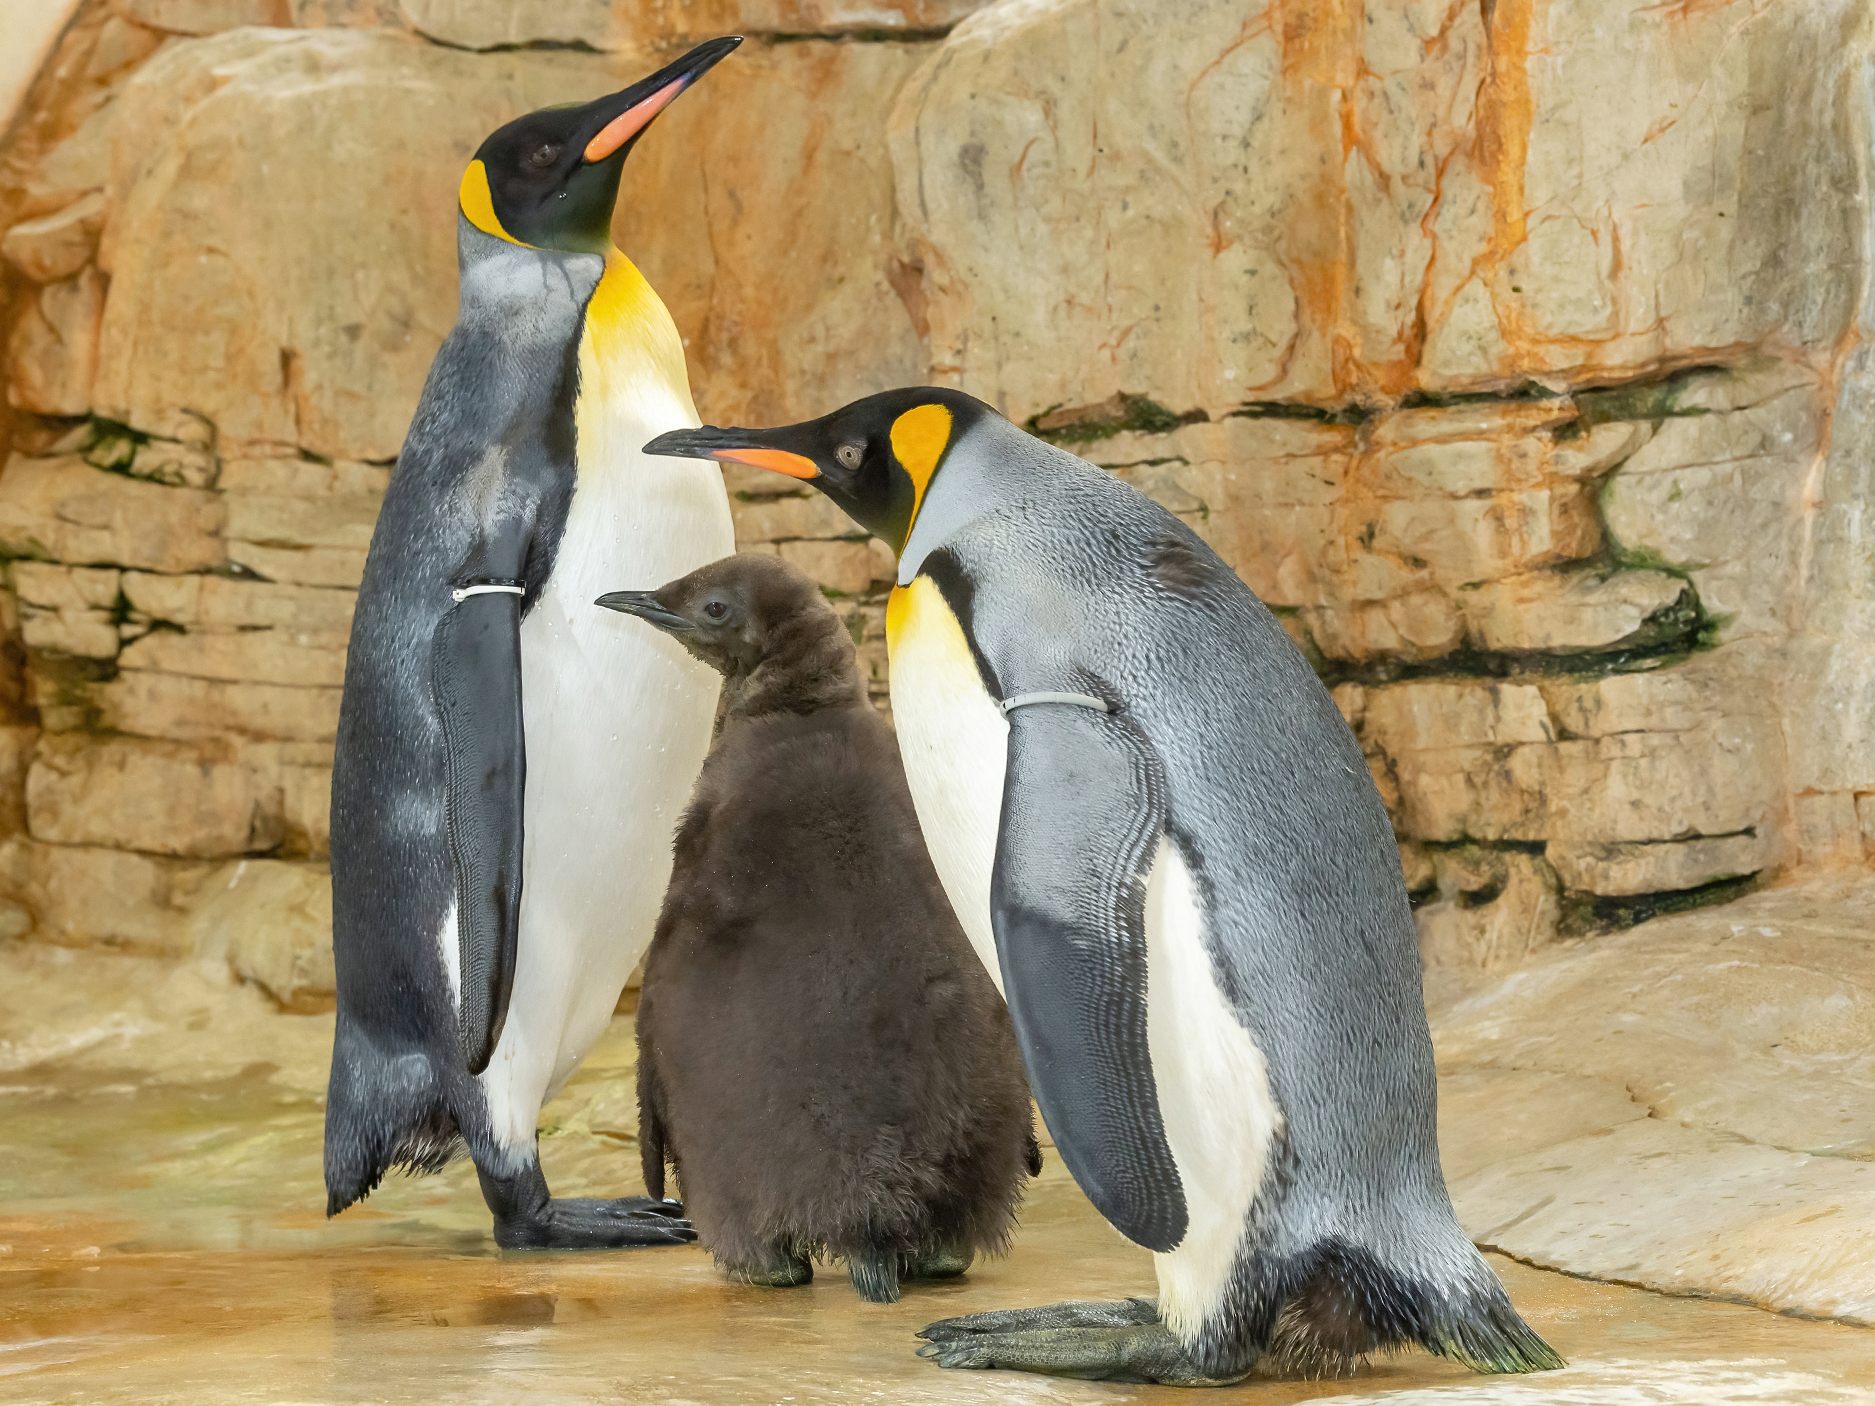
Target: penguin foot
[
  {"x": 1091, "y": 1341},
  {"x": 1079, "y": 1313},
  {"x": 527, "y": 1217},
  {"x": 581, "y": 1223}
]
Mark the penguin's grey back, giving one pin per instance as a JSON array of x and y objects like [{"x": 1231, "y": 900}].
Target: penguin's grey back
[
  {"x": 1092, "y": 586},
  {"x": 491, "y": 440}
]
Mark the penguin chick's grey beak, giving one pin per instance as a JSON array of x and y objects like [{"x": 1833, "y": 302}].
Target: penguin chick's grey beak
[
  {"x": 733, "y": 446},
  {"x": 643, "y": 604},
  {"x": 624, "y": 115}
]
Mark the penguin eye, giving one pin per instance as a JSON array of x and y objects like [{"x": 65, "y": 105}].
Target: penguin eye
[
  {"x": 544, "y": 155},
  {"x": 849, "y": 455},
  {"x": 715, "y": 609}
]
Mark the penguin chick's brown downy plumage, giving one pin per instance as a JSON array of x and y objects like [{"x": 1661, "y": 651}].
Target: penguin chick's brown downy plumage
[{"x": 821, "y": 1057}]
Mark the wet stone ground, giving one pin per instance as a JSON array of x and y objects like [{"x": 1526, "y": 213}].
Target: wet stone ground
[{"x": 161, "y": 1240}]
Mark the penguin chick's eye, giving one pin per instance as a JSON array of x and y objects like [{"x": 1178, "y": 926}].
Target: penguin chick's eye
[
  {"x": 544, "y": 155},
  {"x": 849, "y": 455},
  {"x": 716, "y": 610}
]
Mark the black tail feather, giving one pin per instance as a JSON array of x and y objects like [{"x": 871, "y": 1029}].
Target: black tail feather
[
  {"x": 651, "y": 1159},
  {"x": 651, "y": 1154},
  {"x": 383, "y": 1112},
  {"x": 1491, "y": 1336},
  {"x": 874, "y": 1273},
  {"x": 1348, "y": 1304}
]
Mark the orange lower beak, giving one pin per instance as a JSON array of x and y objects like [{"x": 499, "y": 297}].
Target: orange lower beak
[
  {"x": 778, "y": 461},
  {"x": 632, "y": 121},
  {"x": 627, "y": 113},
  {"x": 732, "y": 446}
]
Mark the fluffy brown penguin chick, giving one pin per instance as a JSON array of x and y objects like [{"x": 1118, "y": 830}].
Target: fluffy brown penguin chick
[{"x": 821, "y": 1056}]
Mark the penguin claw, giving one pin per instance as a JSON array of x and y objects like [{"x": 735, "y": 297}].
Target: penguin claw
[{"x": 663, "y": 1206}]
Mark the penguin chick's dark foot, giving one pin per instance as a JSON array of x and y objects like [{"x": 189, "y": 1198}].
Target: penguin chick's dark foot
[
  {"x": 581, "y": 1223},
  {"x": 1095, "y": 1341},
  {"x": 780, "y": 1271},
  {"x": 935, "y": 1264}
]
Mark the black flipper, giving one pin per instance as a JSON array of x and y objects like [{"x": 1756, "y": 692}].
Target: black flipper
[
  {"x": 1083, "y": 809},
  {"x": 476, "y": 675}
]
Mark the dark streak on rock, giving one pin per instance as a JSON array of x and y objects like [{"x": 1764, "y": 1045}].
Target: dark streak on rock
[
  {"x": 1080, "y": 424},
  {"x": 1584, "y": 914},
  {"x": 524, "y": 46},
  {"x": 873, "y": 35},
  {"x": 1350, "y": 413}
]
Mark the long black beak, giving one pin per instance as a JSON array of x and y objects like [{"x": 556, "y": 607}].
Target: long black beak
[
  {"x": 754, "y": 447},
  {"x": 618, "y": 120},
  {"x": 700, "y": 443},
  {"x": 645, "y": 605}
]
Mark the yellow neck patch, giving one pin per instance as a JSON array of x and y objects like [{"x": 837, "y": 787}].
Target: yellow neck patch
[
  {"x": 629, "y": 327},
  {"x": 919, "y": 438},
  {"x": 922, "y": 629},
  {"x": 917, "y": 610},
  {"x": 899, "y": 608},
  {"x": 631, "y": 365},
  {"x": 478, "y": 204}
]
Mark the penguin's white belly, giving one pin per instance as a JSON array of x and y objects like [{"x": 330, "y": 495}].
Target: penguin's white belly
[
  {"x": 1215, "y": 1100},
  {"x": 1219, "y": 1112},
  {"x": 954, "y": 742},
  {"x": 618, "y": 721}
]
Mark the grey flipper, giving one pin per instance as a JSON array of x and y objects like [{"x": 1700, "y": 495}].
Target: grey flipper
[
  {"x": 476, "y": 676},
  {"x": 1084, "y": 805}
]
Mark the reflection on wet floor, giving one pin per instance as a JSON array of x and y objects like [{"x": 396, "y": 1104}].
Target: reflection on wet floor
[
  {"x": 161, "y": 1240},
  {"x": 401, "y": 1324}
]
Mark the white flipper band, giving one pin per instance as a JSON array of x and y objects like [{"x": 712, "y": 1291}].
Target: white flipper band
[
  {"x": 488, "y": 588},
  {"x": 1079, "y": 700}
]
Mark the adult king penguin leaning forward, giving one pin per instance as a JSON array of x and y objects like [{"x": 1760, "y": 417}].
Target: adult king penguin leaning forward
[
  {"x": 510, "y": 763},
  {"x": 1158, "y": 831}
]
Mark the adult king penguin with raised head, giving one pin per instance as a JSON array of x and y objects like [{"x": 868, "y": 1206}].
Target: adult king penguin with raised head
[
  {"x": 510, "y": 767},
  {"x": 1161, "y": 836}
]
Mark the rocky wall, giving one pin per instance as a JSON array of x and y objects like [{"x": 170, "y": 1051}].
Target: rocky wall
[{"x": 1512, "y": 351}]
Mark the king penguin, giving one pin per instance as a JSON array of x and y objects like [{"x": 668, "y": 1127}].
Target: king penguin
[
  {"x": 1162, "y": 838},
  {"x": 498, "y": 749}
]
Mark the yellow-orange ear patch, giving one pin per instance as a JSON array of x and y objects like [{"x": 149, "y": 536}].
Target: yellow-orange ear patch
[
  {"x": 919, "y": 439},
  {"x": 478, "y": 204}
]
